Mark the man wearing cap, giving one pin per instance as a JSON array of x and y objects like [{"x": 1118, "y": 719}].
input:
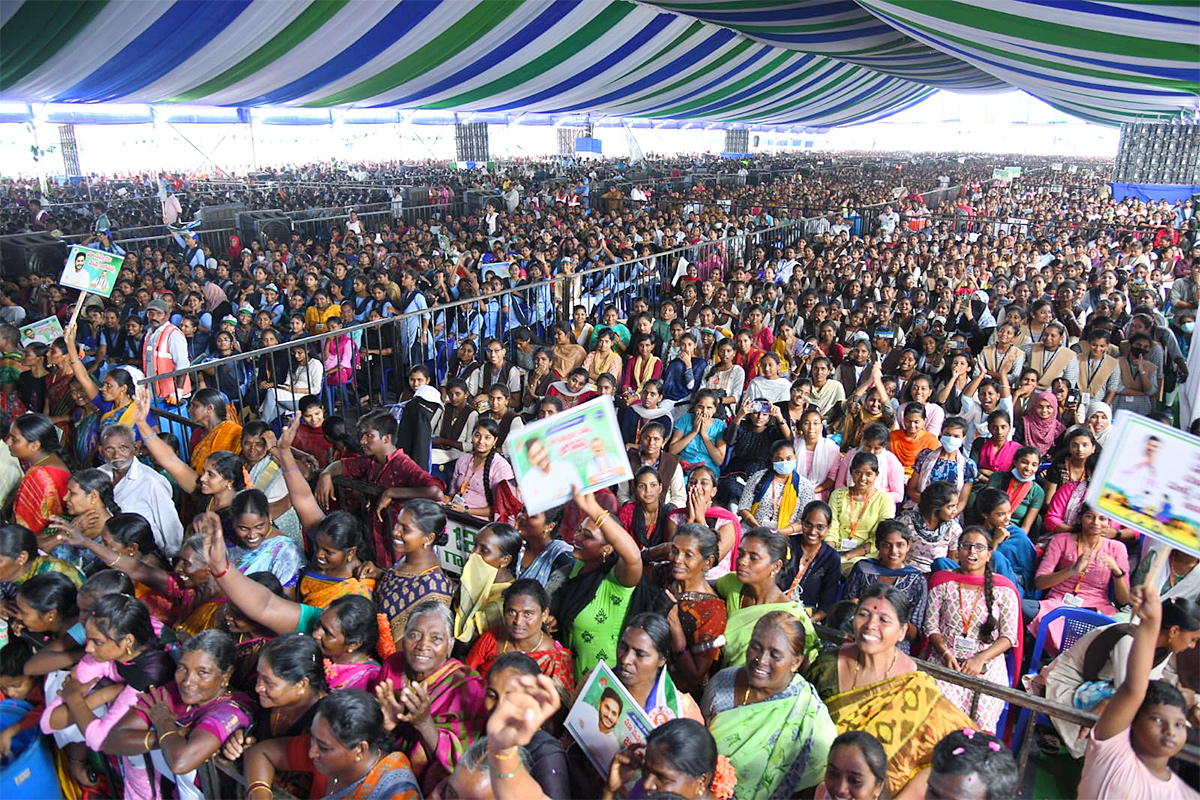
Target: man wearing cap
[
  {"x": 271, "y": 304},
  {"x": 165, "y": 350},
  {"x": 886, "y": 352}
]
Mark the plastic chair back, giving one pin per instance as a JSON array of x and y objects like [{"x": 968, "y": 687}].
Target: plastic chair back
[{"x": 1077, "y": 622}]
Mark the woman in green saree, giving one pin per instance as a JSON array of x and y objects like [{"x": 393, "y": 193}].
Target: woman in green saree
[
  {"x": 872, "y": 686},
  {"x": 767, "y": 720},
  {"x": 753, "y": 591}
]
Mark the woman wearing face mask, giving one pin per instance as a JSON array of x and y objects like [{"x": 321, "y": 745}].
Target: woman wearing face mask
[
  {"x": 489, "y": 570},
  {"x": 766, "y": 718},
  {"x": 892, "y": 541},
  {"x": 855, "y": 770},
  {"x": 184, "y": 723},
  {"x": 946, "y": 464},
  {"x": 870, "y": 685},
  {"x": 1087, "y": 675},
  {"x": 753, "y": 591},
  {"x": 973, "y": 619},
  {"x": 346, "y": 631},
  {"x": 1025, "y": 496},
  {"x": 776, "y": 499}
]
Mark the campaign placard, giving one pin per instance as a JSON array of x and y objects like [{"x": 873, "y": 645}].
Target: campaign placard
[
  {"x": 579, "y": 447},
  {"x": 92, "y": 271},
  {"x": 44, "y": 331},
  {"x": 606, "y": 719},
  {"x": 1147, "y": 477}
]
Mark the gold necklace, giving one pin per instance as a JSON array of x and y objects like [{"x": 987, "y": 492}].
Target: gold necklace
[
  {"x": 534, "y": 649},
  {"x": 886, "y": 674}
]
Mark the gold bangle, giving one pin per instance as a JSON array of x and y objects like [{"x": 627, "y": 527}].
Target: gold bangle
[
  {"x": 113, "y": 563},
  {"x": 598, "y": 520},
  {"x": 146, "y": 741},
  {"x": 162, "y": 736},
  {"x": 259, "y": 785},
  {"x": 512, "y": 753}
]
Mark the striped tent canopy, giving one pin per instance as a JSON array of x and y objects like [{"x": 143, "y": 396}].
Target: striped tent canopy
[{"x": 753, "y": 62}]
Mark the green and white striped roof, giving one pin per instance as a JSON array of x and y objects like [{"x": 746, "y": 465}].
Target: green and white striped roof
[{"x": 787, "y": 62}]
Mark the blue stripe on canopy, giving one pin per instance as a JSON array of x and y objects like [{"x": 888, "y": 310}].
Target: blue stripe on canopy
[{"x": 177, "y": 35}]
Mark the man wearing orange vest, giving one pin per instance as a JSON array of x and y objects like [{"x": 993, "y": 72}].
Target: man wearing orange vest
[{"x": 165, "y": 350}]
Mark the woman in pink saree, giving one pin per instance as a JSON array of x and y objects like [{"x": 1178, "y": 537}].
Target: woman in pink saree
[{"x": 434, "y": 703}]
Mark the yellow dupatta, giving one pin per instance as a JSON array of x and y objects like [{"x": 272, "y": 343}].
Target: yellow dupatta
[
  {"x": 787, "y": 503},
  {"x": 480, "y": 607},
  {"x": 118, "y": 416},
  {"x": 907, "y": 714}
]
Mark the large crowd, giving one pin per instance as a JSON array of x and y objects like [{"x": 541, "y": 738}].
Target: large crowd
[{"x": 857, "y": 393}]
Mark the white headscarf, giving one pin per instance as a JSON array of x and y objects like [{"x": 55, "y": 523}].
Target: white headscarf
[{"x": 1103, "y": 408}]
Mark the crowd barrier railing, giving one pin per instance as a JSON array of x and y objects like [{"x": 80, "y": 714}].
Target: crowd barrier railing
[{"x": 487, "y": 315}]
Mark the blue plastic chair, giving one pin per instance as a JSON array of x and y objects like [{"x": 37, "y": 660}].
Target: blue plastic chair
[
  {"x": 1077, "y": 622},
  {"x": 330, "y": 396}
]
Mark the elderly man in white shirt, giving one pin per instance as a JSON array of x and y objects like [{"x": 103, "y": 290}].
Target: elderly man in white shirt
[{"x": 138, "y": 489}]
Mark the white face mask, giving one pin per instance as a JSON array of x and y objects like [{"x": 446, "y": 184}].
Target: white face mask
[{"x": 951, "y": 444}]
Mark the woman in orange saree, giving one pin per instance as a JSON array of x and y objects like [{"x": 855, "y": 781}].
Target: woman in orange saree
[{"x": 220, "y": 433}]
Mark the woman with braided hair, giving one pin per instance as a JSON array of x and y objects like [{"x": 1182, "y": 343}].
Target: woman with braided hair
[
  {"x": 972, "y": 619},
  {"x": 478, "y": 473}
]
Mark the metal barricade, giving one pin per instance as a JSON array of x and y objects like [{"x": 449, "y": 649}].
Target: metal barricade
[{"x": 490, "y": 315}]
